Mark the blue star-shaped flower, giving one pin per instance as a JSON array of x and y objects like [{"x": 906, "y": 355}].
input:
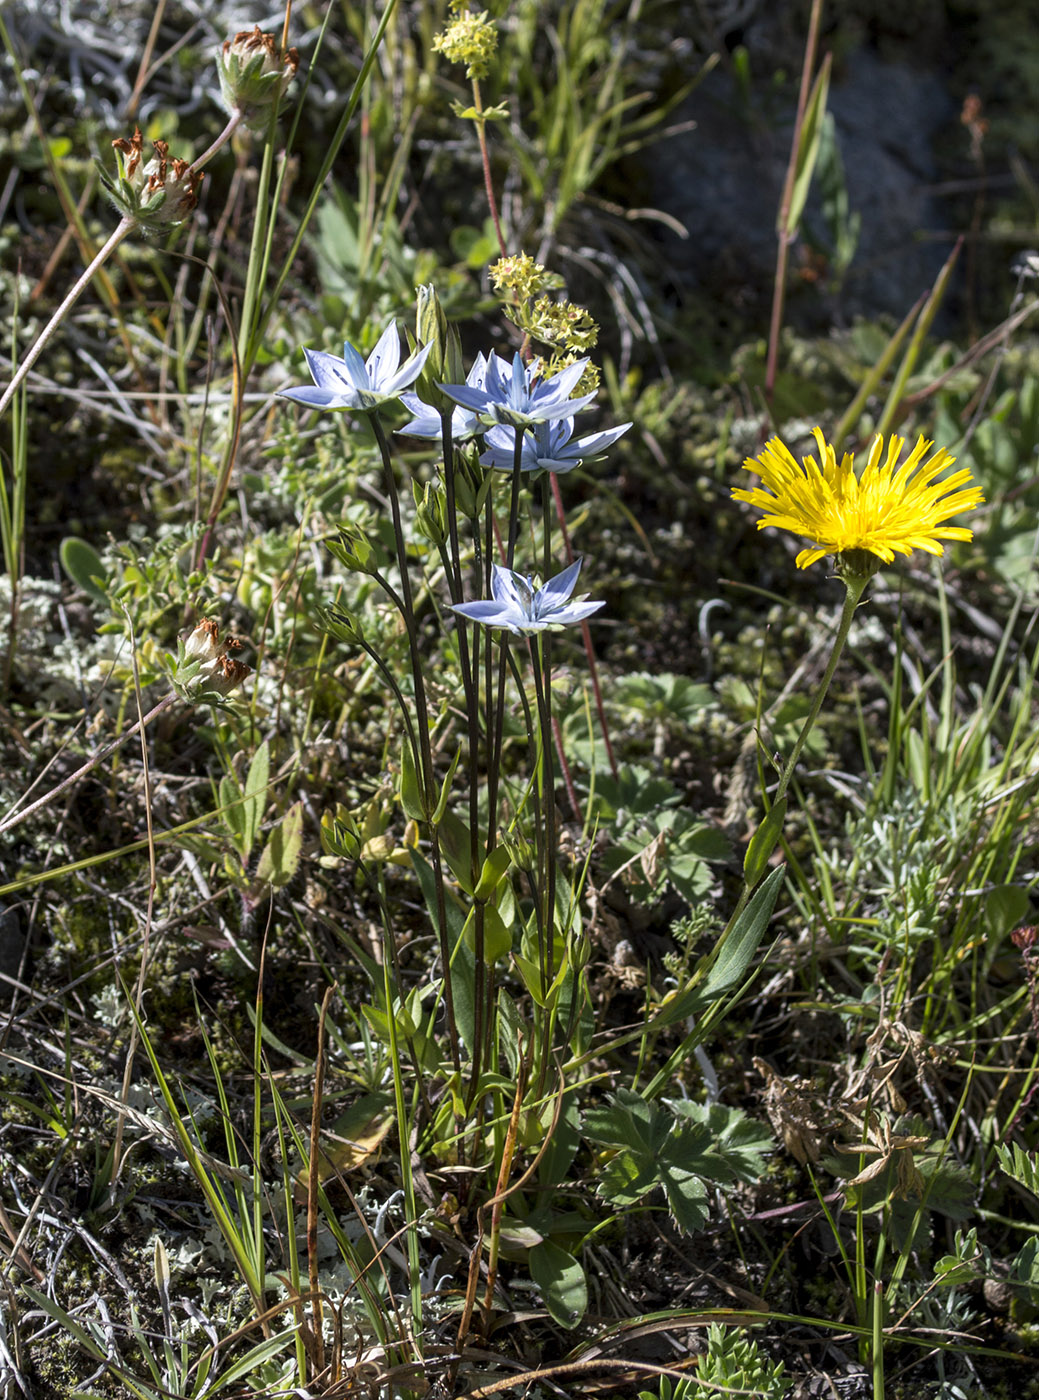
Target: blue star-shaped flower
[
  {"x": 546, "y": 446},
  {"x": 524, "y": 609},
  {"x": 513, "y": 396},
  {"x": 464, "y": 422},
  {"x": 353, "y": 383}
]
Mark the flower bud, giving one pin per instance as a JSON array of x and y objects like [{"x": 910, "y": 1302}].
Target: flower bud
[
  {"x": 337, "y": 622},
  {"x": 444, "y": 363},
  {"x": 354, "y": 550},
  {"x": 155, "y": 195},
  {"x": 472, "y": 483},
  {"x": 519, "y": 848},
  {"x": 203, "y": 644},
  {"x": 341, "y": 834},
  {"x": 431, "y": 327},
  {"x": 254, "y": 72},
  {"x": 430, "y": 512},
  {"x": 224, "y": 675}
]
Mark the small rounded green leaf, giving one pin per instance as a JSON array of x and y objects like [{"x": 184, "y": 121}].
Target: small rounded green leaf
[{"x": 84, "y": 566}]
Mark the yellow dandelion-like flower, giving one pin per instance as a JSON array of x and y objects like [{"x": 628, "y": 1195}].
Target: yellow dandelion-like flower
[{"x": 886, "y": 510}]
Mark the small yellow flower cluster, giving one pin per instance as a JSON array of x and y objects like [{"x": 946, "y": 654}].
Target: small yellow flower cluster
[
  {"x": 517, "y": 273},
  {"x": 470, "y": 39},
  {"x": 587, "y": 384},
  {"x": 563, "y": 324}
]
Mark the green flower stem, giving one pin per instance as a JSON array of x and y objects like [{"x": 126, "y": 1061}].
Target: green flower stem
[
  {"x": 407, "y": 1180},
  {"x": 256, "y": 272},
  {"x": 422, "y": 724},
  {"x": 123, "y": 229},
  {"x": 454, "y": 576},
  {"x": 469, "y": 662},
  {"x": 517, "y": 477},
  {"x": 234, "y": 122},
  {"x": 259, "y": 251},
  {"x": 586, "y": 637},
  {"x": 541, "y": 657},
  {"x": 499, "y": 712}
]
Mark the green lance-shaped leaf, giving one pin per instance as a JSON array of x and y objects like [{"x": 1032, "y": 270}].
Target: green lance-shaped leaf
[
  {"x": 737, "y": 950},
  {"x": 255, "y": 797},
  {"x": 493, "y": 872},
  {"x": 808, "y": 149},
  {"x": 445, "y": 789},
  {"x": 279, "y": 860},
  {"x": 411, "y": 796},
  {"x": 764, "y": 842}
]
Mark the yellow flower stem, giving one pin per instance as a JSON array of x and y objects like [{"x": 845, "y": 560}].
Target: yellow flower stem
[
  {"x": 481, "y": 132},
  {"x": 124, "y": 227},
  {"x": 855, "y": 589}
]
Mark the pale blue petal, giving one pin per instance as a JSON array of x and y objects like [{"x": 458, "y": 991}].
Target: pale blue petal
[
  {"x": 327, "y": 371},
  {"x": 512, "y": 589},
  {"x": 557, "y": 590},
  {"x": 467, "y": 395},
  {"x": 561, "y": 384},
  {"x": 558, "y": 408},
  {"x": 575, "y": 612},
  {"x": 408, "y": 372},
  {"x": 426, "y": 421},
  {"x": 478, "y": 373},
  {"x": 596, "y": 442},
  {"x": 488, "y": 613},
  {"x": 354, "y": 367},
  {"x": 314, "y": 397},
  {"x": 382, "y": 363}
]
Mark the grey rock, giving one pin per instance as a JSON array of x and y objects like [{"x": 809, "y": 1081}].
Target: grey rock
[{"x": 724, "y": 182}]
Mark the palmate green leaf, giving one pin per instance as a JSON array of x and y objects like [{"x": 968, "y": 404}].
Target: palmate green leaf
[
  {"x": 626, "y": 1178},
  {"x": 686, "y": 1196},
  {"x": 738, "y": 1144},
  {"x": 629, "y": 1121},
  {"x": 680, "y": 1146},
  {"x": 561, "y": 1280}
]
